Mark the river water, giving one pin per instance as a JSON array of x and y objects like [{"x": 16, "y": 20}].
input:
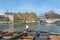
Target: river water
[{"x": 19, "y": 27}]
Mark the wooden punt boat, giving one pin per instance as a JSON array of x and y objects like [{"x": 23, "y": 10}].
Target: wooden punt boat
[
  {"x": 56, "y": 34},
  {"x": 7, "y": 36},
  {"x": 52, "y": 37},
  {"x": 26, "y": 38},
  {"x": 10, "y": 35},
  {"x": 44, "y": 31},
  {"x": 2, "y": 33}
]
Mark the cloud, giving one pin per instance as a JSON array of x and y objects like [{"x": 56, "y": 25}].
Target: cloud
[{"x": 27, "y": 6}]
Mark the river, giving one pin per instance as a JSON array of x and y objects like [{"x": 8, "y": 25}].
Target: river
[{"x": 19, "y": 27}]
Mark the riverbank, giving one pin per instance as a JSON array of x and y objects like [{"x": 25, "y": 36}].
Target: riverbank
[
  {"x": 27, "y": 22},
  {"x": 6, "y": 22},
  {"x": 12, "y": 22}
]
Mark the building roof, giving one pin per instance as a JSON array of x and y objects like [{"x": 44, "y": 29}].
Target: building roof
[{"x": 8, "y": 13}]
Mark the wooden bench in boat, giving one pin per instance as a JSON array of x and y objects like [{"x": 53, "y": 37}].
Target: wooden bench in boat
[
  {"x": 26, "y": 38},
  {"x": 52, "y": 37}
]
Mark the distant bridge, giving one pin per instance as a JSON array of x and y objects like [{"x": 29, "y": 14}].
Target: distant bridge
[{"x": 52, "y": 20}]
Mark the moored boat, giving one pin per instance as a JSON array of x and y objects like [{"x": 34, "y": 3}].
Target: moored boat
[
  {"x": 44, "y": 31},
  {"x": 2, "y": 33},
  {"x": 26, "y": 38},
  {"x": 53, "y": 37},
  {"x": 6, "y": 36},
  {"x": 53, "y": 33}
]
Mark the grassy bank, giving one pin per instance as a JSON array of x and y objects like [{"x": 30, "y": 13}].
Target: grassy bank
[{"x": 6, "y": 22}]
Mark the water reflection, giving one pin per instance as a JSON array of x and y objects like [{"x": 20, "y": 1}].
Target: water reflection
[
  {"x": 38, "y": 27},
  {"x": 11, "y": 27},
  {"x": 50, "y": 28}
]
